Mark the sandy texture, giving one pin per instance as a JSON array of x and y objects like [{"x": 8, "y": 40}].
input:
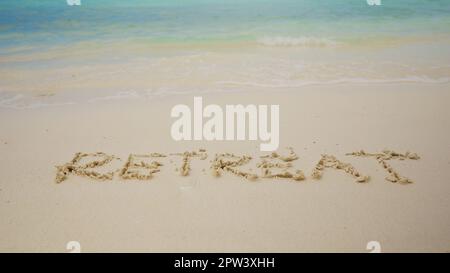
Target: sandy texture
[{"x": 192, "y": 210}]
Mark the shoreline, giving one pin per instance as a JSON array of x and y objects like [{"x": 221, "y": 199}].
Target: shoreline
[
  {"x": 29, "y": 101},
  {"x": 199, "y": 212}
]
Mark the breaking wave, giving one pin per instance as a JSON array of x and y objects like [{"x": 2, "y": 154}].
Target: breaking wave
[{"x": 297, "y": 41}]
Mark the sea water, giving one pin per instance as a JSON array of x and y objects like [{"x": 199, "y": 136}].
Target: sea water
[{"x": 174, "y": 46}]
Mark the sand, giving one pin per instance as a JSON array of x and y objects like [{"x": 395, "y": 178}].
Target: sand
[{"x": 183, "y": 206}]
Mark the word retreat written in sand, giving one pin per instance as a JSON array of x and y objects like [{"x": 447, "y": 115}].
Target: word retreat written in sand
[{"x": 272, "y": 166}]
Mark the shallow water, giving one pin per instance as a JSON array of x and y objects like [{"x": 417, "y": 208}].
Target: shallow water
[
  {"x": 50, "y": 22},
  {"x": 109, "y": 48}
]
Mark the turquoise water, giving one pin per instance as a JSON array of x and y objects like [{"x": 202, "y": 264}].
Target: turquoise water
[
  {"x": 44, "y": 23},
  {"x": 139, "y": 49}
]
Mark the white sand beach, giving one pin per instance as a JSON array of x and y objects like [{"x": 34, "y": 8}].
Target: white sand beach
[
  {"x": 203, "y": 213},
  {"x": 88, "y": 156}
]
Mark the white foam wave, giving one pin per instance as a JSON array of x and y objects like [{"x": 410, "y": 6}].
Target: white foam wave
[
  {"x": 18, "y": 101},
  {"x": 297, "y": 41},
  {"x": 412, "y": 79},
  {"x": 118, "y": 96}
]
